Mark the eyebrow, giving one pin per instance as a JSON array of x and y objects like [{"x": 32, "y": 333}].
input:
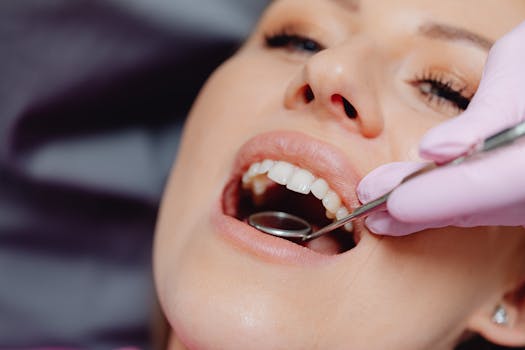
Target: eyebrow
[
  {"x": 445, "y": 32},
  {"x": 434, "y": 30},
  {"x": 351, "y": 5}
]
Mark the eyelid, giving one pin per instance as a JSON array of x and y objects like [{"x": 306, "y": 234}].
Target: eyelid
[
  {"x": 293, "y": 43},
  {"x": 439, "y": 73},
  {"x": 446, "y": 83},
  {"x": 300, "y": 28}
]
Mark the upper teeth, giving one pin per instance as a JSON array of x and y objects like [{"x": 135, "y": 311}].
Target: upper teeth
[{"x": 295, "y": 179}]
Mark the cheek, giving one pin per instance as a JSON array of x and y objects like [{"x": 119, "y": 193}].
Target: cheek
[
  {"x": 404, "y": 128},
  {"x": 427, "y": 284},
  {"x": 241, "y": 99},
  {"x": 449, "y": 265},
  {"x": 239, "y": 91},
  {"x": 219, "y": 122}
]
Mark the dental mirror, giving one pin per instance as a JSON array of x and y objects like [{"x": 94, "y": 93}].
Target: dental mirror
[
  {"x": 289, "y": 226},
  {"x": 278, "y": 223}
]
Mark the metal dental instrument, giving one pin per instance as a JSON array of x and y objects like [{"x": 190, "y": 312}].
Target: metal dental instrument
[{"x": 289, "y": 226}]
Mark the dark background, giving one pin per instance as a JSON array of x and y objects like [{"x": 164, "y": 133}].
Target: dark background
[{"x": 93, "y": 95}]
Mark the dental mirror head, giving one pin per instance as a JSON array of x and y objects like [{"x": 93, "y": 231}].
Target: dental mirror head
[{"x": 280, "y": 224}]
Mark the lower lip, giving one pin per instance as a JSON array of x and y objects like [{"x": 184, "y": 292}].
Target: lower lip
[{"x": 269, "y": 248}]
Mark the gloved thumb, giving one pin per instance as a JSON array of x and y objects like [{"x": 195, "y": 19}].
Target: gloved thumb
[{"x": 384, "y": 178}]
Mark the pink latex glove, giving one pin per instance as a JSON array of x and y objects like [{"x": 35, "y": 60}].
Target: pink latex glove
[{"x": 488, "y": 191}]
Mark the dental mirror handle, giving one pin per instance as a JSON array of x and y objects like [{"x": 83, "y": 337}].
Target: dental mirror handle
[
  {"x": 502, "y": 138},
  {"x": 368, "y": 208}
]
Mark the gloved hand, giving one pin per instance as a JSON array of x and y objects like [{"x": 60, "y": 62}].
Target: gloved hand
[{"x": 487, "y": 191}]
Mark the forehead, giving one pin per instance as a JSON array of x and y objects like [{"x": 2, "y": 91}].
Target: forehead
[{"x": 492, "y": 18}]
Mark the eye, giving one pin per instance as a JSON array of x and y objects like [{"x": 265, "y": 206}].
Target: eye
[
  {"x": 441, "y": 91},
  {"x": 293, "y": 42}
]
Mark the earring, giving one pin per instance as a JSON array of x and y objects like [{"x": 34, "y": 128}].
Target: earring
[{"x": 500, "y": 316}]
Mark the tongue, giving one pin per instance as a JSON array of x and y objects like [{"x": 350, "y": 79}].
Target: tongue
[{"x": 326, "y": 245}]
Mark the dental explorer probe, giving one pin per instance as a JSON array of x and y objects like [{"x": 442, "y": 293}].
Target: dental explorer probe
[{"x": 289, "y": 226}]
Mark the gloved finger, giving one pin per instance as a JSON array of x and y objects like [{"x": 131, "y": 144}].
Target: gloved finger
[
  {"x": 510, "y": 215},
  {"x": 384, "y": 178},
  {"x": 384, "y": 224},
  {"x": 497, "y": 104},
  {"x": 489, "y": 114},
  {"x": 478, "y": 185}
]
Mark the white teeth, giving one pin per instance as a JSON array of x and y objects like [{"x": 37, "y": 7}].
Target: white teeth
[
  {"x": 295, "y": 179},
  {"x": 341, "y": 213},
  {"x": 281, "y": 172},
  {"x": 331, "y": 201},
  {"x": 246, "y": 181},
  {"x": 254, "y": 169},
  {"x": 252, "y": 172},
  {"x": 265, "y": 166},
  {"x": 259, "y": 184},
  {"x": 301, "y": 181},
  {"x": 319, "y": 188}
]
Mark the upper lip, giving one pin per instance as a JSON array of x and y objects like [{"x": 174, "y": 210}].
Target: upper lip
[{"x": 322, "y": 159}]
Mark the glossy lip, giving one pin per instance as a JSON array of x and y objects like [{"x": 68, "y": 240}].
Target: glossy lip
[{"x": 322, "y": 159}]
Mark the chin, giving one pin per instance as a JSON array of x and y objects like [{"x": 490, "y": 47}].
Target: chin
[{"x": 224, "y": 284}]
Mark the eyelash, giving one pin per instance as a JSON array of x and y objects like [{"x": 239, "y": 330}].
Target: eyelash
[
  {"x": 293, "y": 42},
  {"x": 438, "y": 90},
  {"x": 435, "y": 87}
]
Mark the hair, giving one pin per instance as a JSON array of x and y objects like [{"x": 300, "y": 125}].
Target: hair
[{"x": 479, "y": 343}]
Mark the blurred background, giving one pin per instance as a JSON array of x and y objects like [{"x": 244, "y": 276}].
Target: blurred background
[{"x": 93, "y": 95}]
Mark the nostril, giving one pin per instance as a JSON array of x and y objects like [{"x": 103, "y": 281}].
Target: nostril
[
  {"x": 350, "y": 110},
  {"x": 308, "y": 94}
]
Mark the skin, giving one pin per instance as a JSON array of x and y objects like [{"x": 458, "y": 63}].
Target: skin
[{"x": 425, "y": 291}]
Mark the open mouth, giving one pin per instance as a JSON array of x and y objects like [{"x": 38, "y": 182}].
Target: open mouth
[{"x": 271, "y": 185}]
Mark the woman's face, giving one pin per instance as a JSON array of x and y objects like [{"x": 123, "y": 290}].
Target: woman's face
[{"x": 335, "y": 88}]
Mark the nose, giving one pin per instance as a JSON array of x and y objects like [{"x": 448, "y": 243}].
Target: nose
[{"x": 341, "y": 83}]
